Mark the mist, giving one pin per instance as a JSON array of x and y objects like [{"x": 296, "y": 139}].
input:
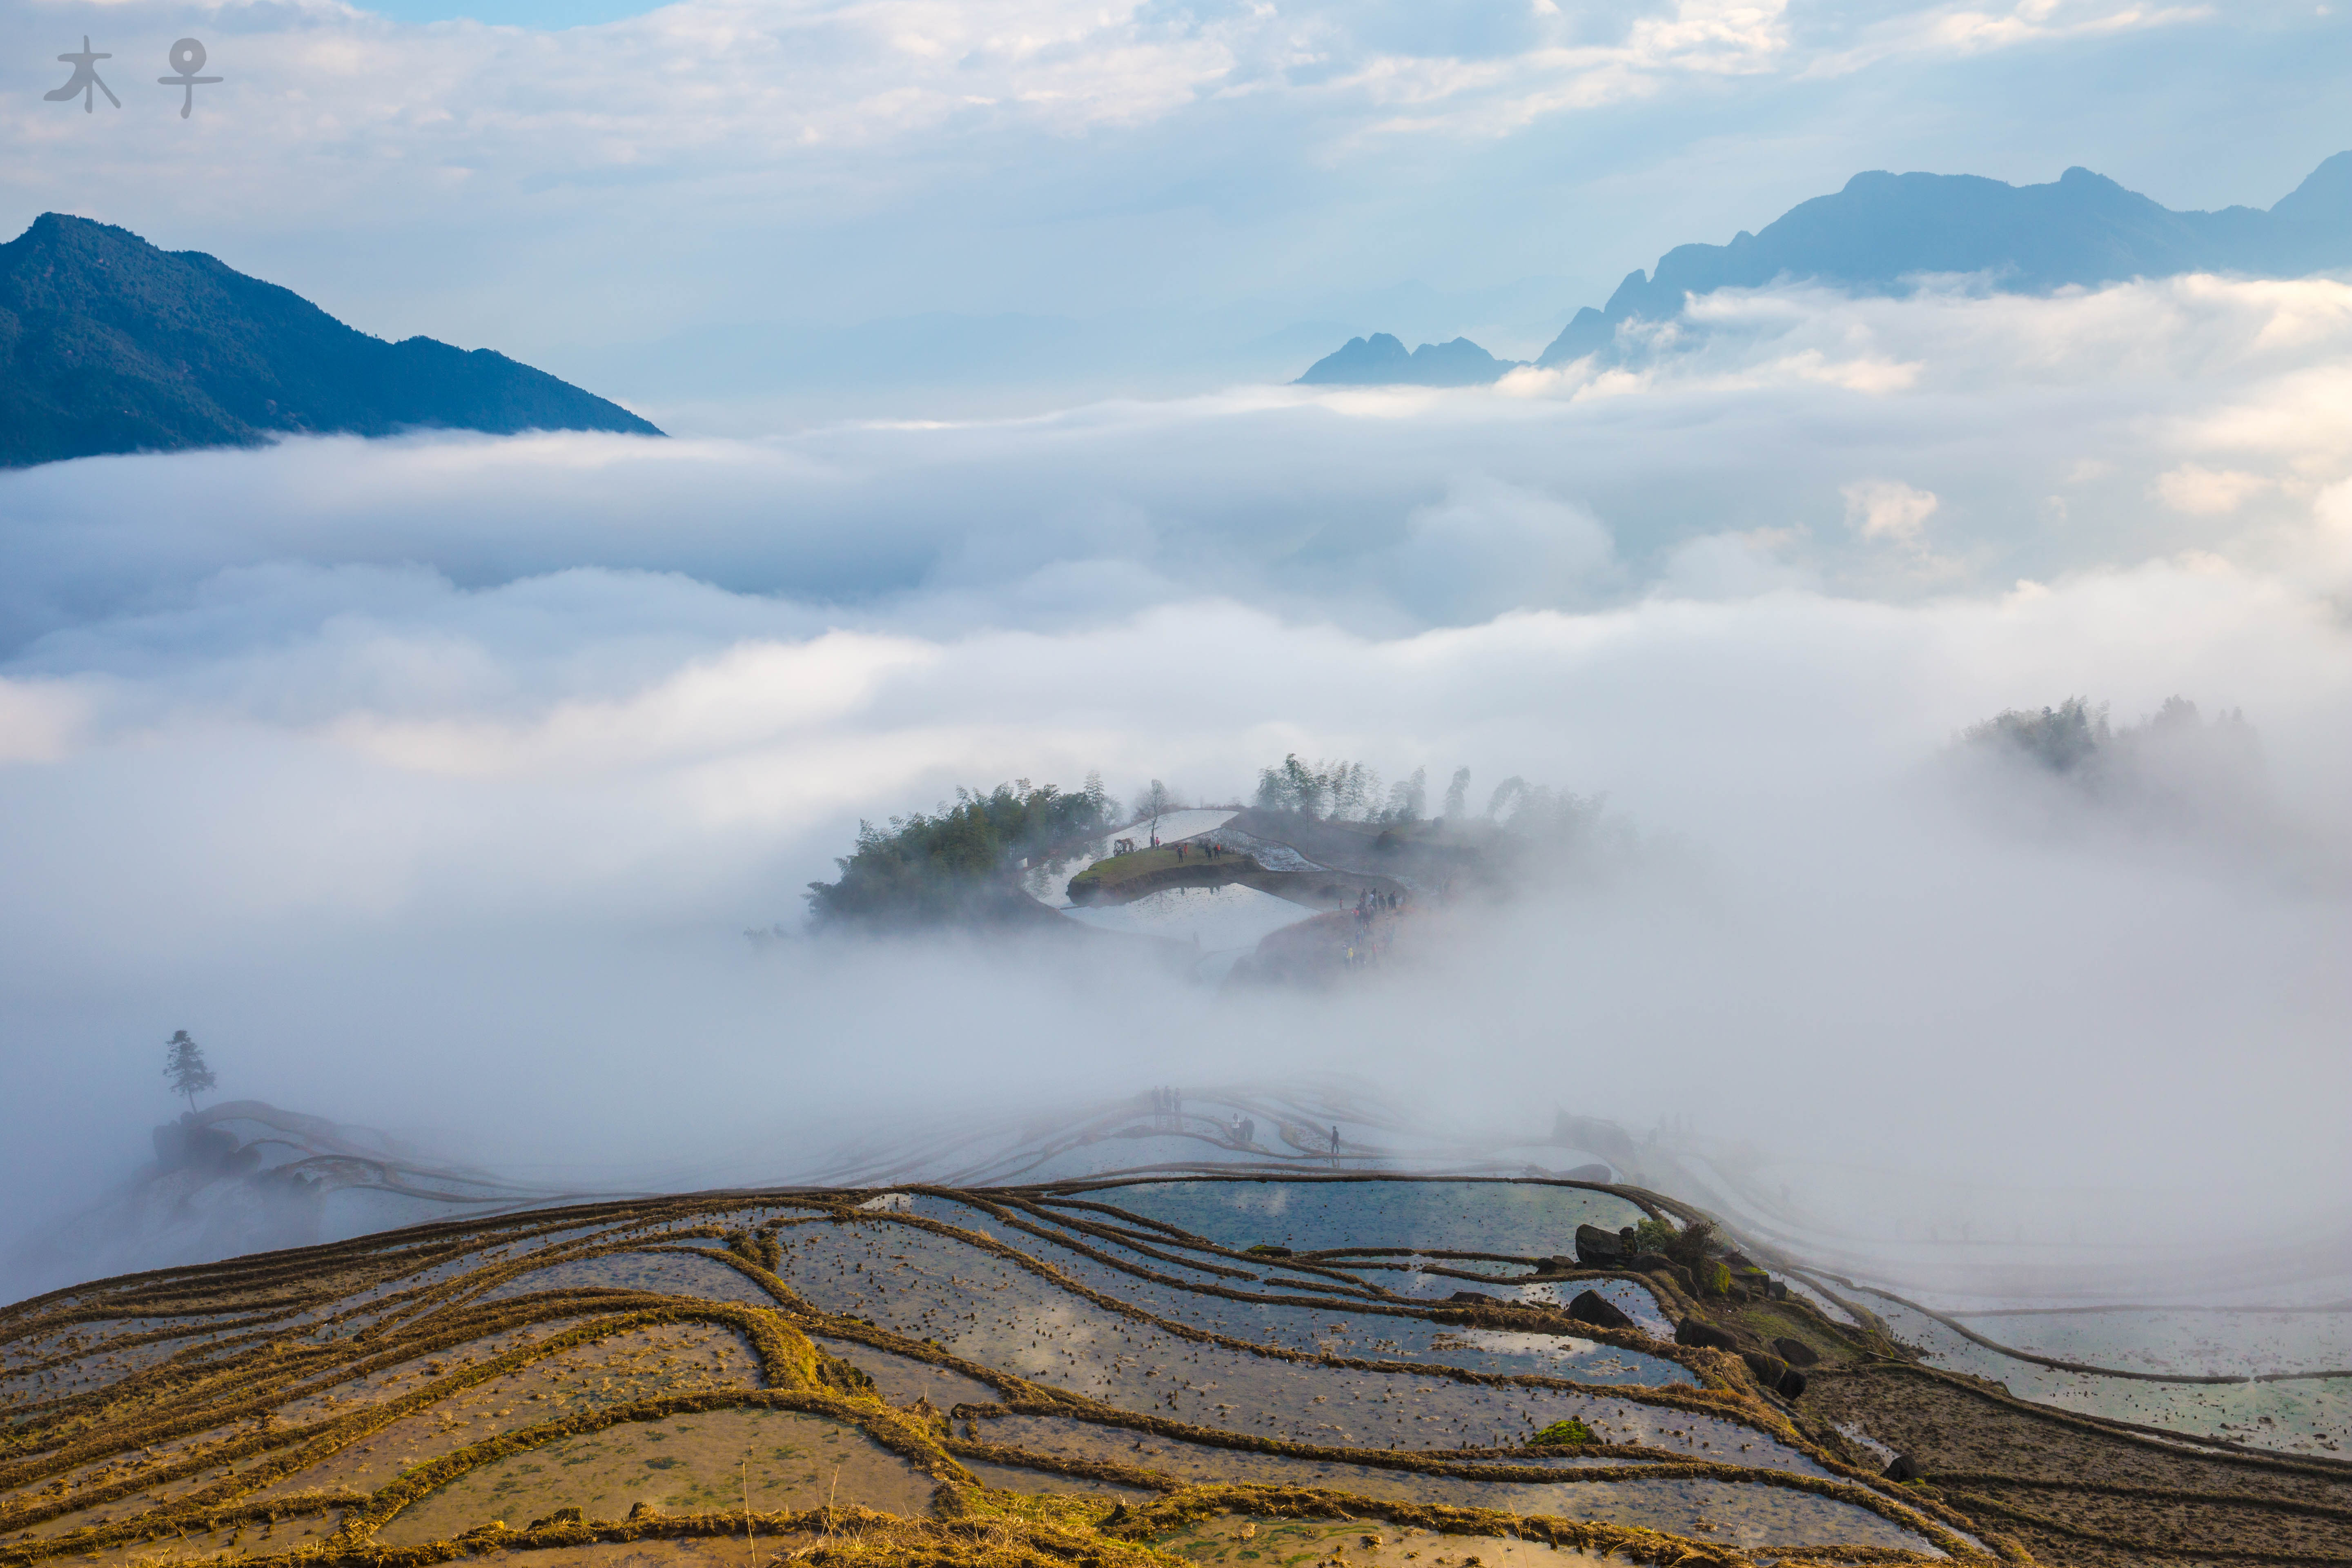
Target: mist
[{"x": 433, "y": 784}]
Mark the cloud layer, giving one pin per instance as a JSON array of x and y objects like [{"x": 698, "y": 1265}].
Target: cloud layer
[
  {"x": 431, "y": 781},
  {"x": 1953, "y": 441}
]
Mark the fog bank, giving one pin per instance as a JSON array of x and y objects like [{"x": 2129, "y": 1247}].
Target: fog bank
[{"x": 431, "y": 784}]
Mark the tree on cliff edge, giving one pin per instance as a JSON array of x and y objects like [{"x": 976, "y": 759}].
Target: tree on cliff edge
[
  {"x": 186, "y": 1067},
  {"x": 1155, "y": 802}
]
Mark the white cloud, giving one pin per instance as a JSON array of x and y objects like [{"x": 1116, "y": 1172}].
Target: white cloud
[
  {"x": 1277, "y": 497},
  {"x": 808, "y": 162},
  {"x": 1489, "y": 547},
  {"x": 1732, "y": 566},
  {"x": 1499, "y": 97},
  {"x": 40, "y": 720},
  {"x": 2207, "y": 491},
  {"x": 762, "y": 692},
  {"x": 1965, "y": 29},
  {"x": 1888, "y": 510},
  {"x": 2331, "y": 543},
  {"x": 434, "y": 778},
  {"x": 543, "y": 883}
]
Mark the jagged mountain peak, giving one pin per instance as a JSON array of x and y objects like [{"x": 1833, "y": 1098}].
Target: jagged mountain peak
[
  {"x": 1382, "y": 360},
  {"x": 1883, "y": 229}
]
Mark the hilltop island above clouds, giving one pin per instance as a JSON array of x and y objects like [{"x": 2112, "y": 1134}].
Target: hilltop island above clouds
[
  {"x": 112, "y": 345},
  {"x": 2082, "y": 228}
]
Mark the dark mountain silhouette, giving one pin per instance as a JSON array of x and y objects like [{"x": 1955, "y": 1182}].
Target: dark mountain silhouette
[
  {"x": 1381, "y": 361},
  {"x": 1883, "y": 229},
  {"x": 108, "y": 344}
]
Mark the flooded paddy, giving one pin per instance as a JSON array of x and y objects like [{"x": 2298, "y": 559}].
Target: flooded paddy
[
  {"x": 1744, "y": 1512},
  {"x": 1342, "y": 1328},
  {"x": 256, "y": 1538},
  {"x": 902, "y": 1379},
  {"x": 1231, "y": 919},
  {"x": 2304, "y": 1416},
  {"x": 627, "y": 1368},
  {"x": 668, "y": 1273},
  {"x": 2235, "y": 1341},
  {"x": 1635, "y": 1301},
  {"x": 373, "y": 1379},
  {"x": 989, "y": 1309},
  {"x": 1514, "y": 1219},
  {"x": 779, "y": 1459},
  {"x": 1285, "y": 1542}
]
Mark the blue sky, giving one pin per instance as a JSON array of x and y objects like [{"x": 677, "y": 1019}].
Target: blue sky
[
  {"x": 1182, "y": 181},
  {"x": 547, "y": 14}
]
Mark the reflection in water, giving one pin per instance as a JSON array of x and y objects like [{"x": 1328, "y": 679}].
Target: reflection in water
[
  {"x": 504, "y": 1377},
  {"x": 1519, "y": 1220},
  {"x": 1747, "y": 1513}
]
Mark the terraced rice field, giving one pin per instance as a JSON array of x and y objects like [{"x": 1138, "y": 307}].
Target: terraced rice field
[{"x": 1094, "y": 1374}]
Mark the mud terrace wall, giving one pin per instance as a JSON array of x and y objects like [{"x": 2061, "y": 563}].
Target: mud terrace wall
[{"x": 289, "y": 1409}]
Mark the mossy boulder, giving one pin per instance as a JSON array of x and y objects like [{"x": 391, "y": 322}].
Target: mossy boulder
[{"x": 1569, "y": 1431}]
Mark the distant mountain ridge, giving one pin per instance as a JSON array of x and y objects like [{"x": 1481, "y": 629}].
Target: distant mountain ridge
[
  {"x": 1883, "y": 229},
  {"x": 108, "y": 344},
  {"x": 1380, "y": 360}
]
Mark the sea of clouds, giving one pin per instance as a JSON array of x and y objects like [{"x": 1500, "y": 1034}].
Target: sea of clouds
[{"x": 433, "y": 782}]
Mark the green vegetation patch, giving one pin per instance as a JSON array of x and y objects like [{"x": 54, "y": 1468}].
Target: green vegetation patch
[
  {"x": 1570, "y": 1430},
  {"x": 1104, "y": 876},
  {"x": 954, "y": 863}
]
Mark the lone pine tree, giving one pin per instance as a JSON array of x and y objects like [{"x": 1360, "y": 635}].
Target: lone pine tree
[{"x": 184, "y": 1066}]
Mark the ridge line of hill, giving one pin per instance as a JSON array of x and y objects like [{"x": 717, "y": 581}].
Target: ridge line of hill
[
  {"x": 1883, "y": 229},
  {"x": 110, "y": 345}
]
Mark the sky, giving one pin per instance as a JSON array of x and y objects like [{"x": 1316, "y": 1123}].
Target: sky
[
  {"x": 434, "y": 781},
  {"x": 731, "y": 212}
]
